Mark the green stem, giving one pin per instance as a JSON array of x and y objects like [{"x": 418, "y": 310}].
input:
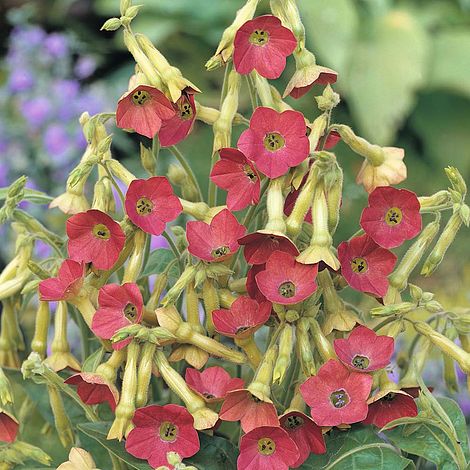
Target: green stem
[
  {"x": 156, "y": 151},
  {"x": 174, "y": 248},
  {"x": 183, "y": 162},
  {"x": 252, "y": 92},
  {"x": 114, "y": 183}
]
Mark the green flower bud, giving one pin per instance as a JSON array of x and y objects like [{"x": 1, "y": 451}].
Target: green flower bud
[
  {"x": 111, "y": 25},
  {"x": 286, "y": 345}
]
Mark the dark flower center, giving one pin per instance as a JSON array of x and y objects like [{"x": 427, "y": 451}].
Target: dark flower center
[
  {"x": 144, "y": 206},
  {"x": 208, "y": 395},
  {"x": 339, "y": 399},
  {"x": 185, "y": 110},
  {"x": 241, "y": 329},
  {"x": 130, "y": 312},
  {"x": 361, "y": 362},
  {"x": 393, "y": 216},
  {"x": 273, "y": 141},
  {"x": 259, "y": 37},
  {"x": 293, "y": 422},
  {"x": 168, "y": 431},
  {"x": 359, "y": 265},
  {"x": 287, "y": 289},
  {"x": 266, "y": 446},
  {"x": 249, "y": 172},
  {"x": 221, "y": 251},
  {"x": 389, "y": 397},
  {"x": 140, "y": 97},
  {"x": 101, "y": 231}
]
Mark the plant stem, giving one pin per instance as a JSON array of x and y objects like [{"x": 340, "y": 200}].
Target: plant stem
[{"x": 183, "y": 162}]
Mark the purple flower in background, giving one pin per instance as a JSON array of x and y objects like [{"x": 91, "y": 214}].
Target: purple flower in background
[
  {"x": 28, "y": 37},
  {"x": 158, "y": 241},
  {"x": 57, "y": 142},
  {"x": 42, "y": 250},
  {"x": 36, "y": 111},
  {"x": 20, "y": 80},
  {"x": 85, "y": 67},
  {"x": 3, "y": 174},
  {"x": 57, "y": 45}
]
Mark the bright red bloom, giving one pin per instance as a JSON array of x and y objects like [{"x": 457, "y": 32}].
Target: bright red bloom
[
  {"x": 332, "y": 139},
  {"x": 286, "y": 281},
  {"x": 366, "y": 265},
  {"x": 8, "y": 427},
  {"x": 94, "y": 237},
  {"x": 162, "y": 429},
  {"x": 336, "y": 395},
  {"x": 392, "y": 216},
  {"x": 93, "y": 389},
  {"x": 67, "y": 284},
  {"x": 299, "y": 85},
  {"x": 241, "y": 405},
  {"x": 267, "y": 448},
  {"x": 305, "y": 433},
  {"x": 263, "y": 44},
  {"x": 243, "y": 319},
  {"x": 143, "y": 110},
  {"x": 151, "y": 204},
  {"x": 275, "y": 141},
  {"x": 392, "y": 406},
  {"x": 291, "y": 198},
  {"x": 177, "y": 128},
  {"x": 251, "y": 286},
  {"x": 217, "y": 241},
  {"x": 364, "y": 350},
  {"x": 238, "y": 176},
  {"x": 119, "y": 306},
  {"x": 260, "y": 245},
  {"x": 212, "y": 383}
]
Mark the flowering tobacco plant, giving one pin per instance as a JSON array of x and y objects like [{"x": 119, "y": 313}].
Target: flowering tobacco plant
[{"x": 237, "y": 346}]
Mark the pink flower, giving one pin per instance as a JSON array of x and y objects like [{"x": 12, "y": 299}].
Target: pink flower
[
  {"x": 151, "y": 204},
  {"x": 238, "y": 176},
  {"x": 212, "y": 383},
  {"x": 392, "y": 216},
  {"x": 364, "y": 350},
  {"x": 285, "y": 281},
  {"x": 215, "y": 241},
  {"x": 119, "y": 306},
  {"x": 243, "y": 319},
  {"x": 291, "y": 199},
  {"x": 337, "y": 395},
  {"x": 305, "y": 433},
  {"x": 260, "y": 245},
  {"x": 251, "y": 286},
  {"x": 241, "y": 405},
  {"x": 304, "y": 79},
  {"x": 8, "y": 427},
  {"x": 263, "y": 44},
  {"x": 143, "y": 110},
  {"x": 67, "y": 284},
  {"x": 162, "y": 429},
  {"x": 94, "y": 389},
  {"x": 177, "y": 128},
  {"x": 392, "y": 406},
  {"x": 365, "y": 265},
  {"x": 267, "y": 448},
  {"x": 96, "y": 238},
  {"x": 275, "y": 141}
]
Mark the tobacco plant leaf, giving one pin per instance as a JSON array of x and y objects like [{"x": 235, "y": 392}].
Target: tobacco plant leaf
[
  {"x": 357, "y": 449},
  {"x": 420, "y": 437},
  {"x": 216, "y": 453},
  {"x": 157, "y": 261}
]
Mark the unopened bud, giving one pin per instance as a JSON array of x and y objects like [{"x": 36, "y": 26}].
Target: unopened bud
[{"x": 111, "y": 25}]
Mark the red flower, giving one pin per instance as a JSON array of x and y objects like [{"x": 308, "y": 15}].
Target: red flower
[
  {"x": 241, "y": 405},
  {"x": 151, "y": 204},
  {"x": 93, "y": 389},
  {"x": 263, "y": 44},
  {"x": 251, "y": 286},
  {"x": 162, "y": 429},
  {"x": 8, "y": 427},
  {"x": 217, "y": 241},
  {"x": 365, "y": 265},
  {"x": 285, "y": 281},
  {"x": 67, "y": 284},
  {"x": 267, "y": 448},
  {"x": 337, "y": 395},
  {"x": 238, "y": 176},
  {"x": 332, "y": 139},
  {"x": 305, "y": 433},
  {"x": 119, "y": 306},
  {"x": 243, "y": 319},
  {"x": 392, "y": 216},
  {"x": 96, "y": 238},
  {"x": 275, "y": 141},
  {"x": 143, "y": 110},
  {"x": 260, "y": 245},
  {"x": 300, "y": 84},
  {"x": 291, "y": 199},
  {"x": 392, "y": 406},
  {"x": 176, "y": 129},
  {"x": 364, "y": 350},
  {"x": 212, "y": 383}
]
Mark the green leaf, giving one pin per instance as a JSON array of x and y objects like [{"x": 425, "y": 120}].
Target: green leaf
[
  {"x": 430, "y": 442},
  {"x": 157, "y": 262},
  {"x": 216, "y": 453},
  {"x": 99, "y": 431},
  {"x": 93, "y": 360},
  {"x": 30, "y": 195},
  {"x": 331, "y": 27},
  {"x": 451, "y": 61},
  {"x": 381, "y": 81},
  {"x": 357, "y": 449}
]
